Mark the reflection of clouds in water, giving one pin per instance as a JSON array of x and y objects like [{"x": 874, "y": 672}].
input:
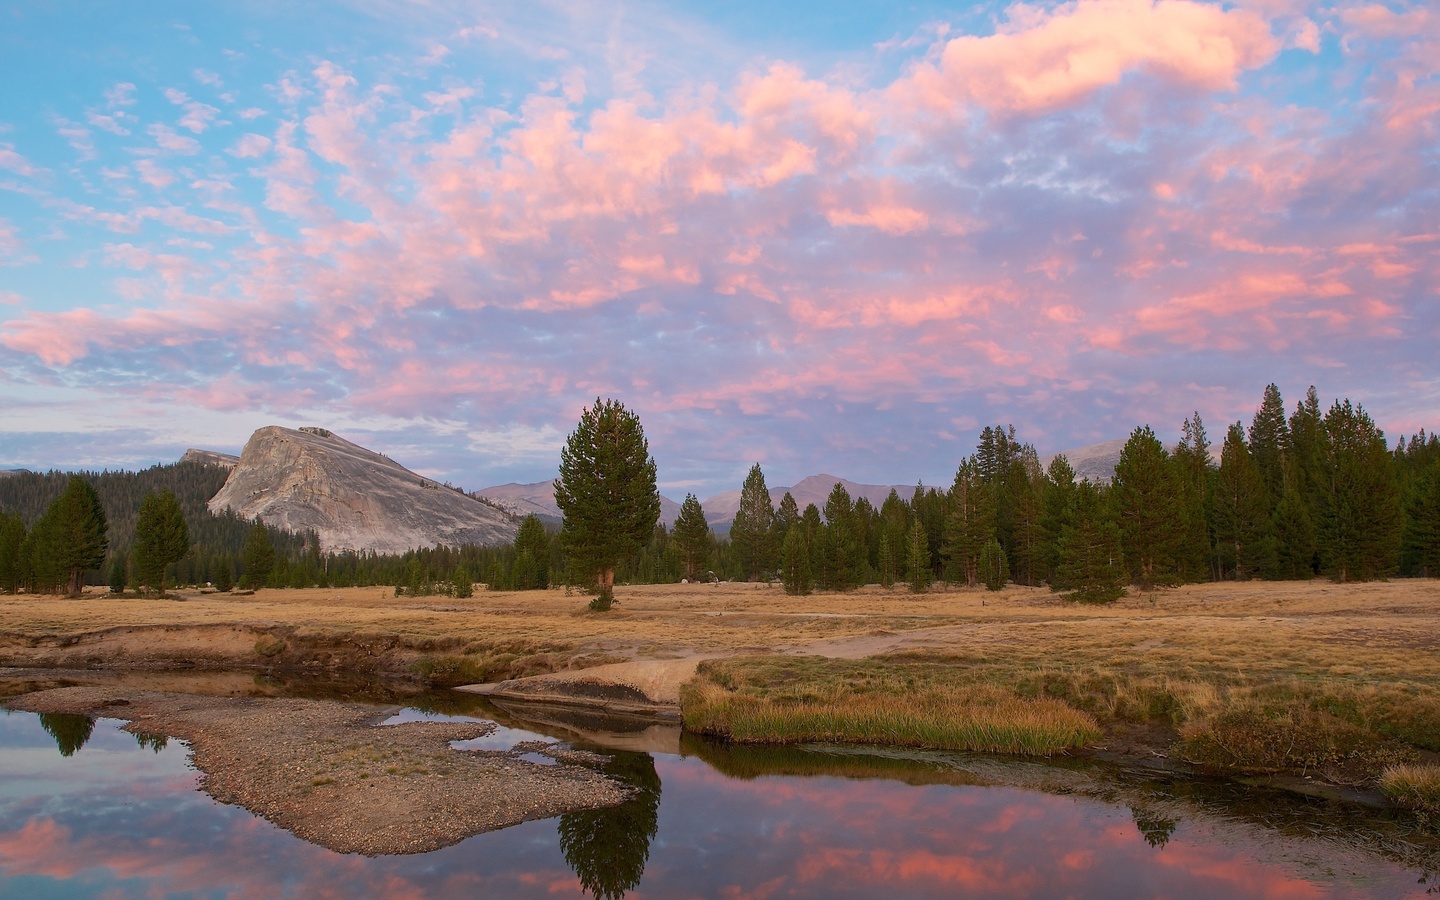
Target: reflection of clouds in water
[{"x": 129, "y": 821}]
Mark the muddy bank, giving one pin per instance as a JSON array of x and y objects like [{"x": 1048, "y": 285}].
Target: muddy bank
[
  {"x": 327, "y": 773},
  {"x": 294, "y": 649}
]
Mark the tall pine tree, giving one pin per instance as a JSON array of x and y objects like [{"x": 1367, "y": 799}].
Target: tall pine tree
[
  {"x": 1359, "y": 526},
  {"x": 1241, "y": 503},
  {"x": 752, "y": 532}
]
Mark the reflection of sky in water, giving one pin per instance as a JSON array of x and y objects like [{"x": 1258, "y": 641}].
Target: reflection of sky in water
[
  {"x": 119, "y": 820},
  {"x": 501, "y": 738}
]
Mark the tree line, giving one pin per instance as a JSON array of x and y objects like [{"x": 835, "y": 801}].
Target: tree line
[{"x": 1290, "y": 496}]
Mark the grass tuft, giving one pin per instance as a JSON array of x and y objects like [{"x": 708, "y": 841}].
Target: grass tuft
[
  {"x": 937, "y": 719},
  {"x": 1415, "y": 786}
]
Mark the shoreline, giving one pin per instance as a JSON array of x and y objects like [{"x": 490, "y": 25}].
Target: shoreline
[{"x": 333, "y": 775}]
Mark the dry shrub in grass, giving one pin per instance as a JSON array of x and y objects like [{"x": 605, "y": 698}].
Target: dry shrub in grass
[
  {"x": 1251, "y": 737},
  {"x": 1414, "y": 787}
]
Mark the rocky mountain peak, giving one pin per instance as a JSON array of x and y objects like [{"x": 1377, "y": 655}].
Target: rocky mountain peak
[{"x": 352, "y": 497}]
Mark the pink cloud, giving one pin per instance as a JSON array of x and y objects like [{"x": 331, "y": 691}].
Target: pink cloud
[{"x": 1044, "y": 59}]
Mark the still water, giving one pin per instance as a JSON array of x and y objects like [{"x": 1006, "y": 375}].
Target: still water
[{"x": 88, "y": 810}]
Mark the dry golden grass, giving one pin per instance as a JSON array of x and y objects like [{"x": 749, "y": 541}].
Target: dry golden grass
[{"x": 1414, "y": 786}]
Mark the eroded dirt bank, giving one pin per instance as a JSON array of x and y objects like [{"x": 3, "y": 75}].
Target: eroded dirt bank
[{"x": 327, "y": 773}]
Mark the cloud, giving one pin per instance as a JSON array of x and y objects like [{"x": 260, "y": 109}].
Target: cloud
[
  {"x": 1025, "y": 225},
  {"x": 1048, "y": 58}
]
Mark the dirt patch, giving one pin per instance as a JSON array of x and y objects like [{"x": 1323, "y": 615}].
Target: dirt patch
[{"x": 324, "y": 772}]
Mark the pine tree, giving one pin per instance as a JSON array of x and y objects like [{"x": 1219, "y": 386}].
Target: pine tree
[
  {"x": 752, "y": 532},
  {"x": 12, "y": 565},
  {"x": 1092, "y": 565},
  {"x": 1359, "y": 526},
  {"x": 971, "y": 523},
  {"x": 795, "y": 564},
  {"x": 1243, "y": 527},
  {"x": 607, "y": 493},
  {"x": 886, "y": 564},
  {"x": 161, "y": 539},
  {"x": 824, "y": 558},
  {"x": 224, "y": 578},
  {"x": 1195, "y": 475},
  {"x": 1147, "y": 502},
  {"x": 69, "y": 539},
  {"x": 119, "y": 574},
  {"x": 994, "y": 570},
  {"x": 462, "y": 583},
  {"x": 917, "y": 559},
  {"x": 692, "y": 536},
  {"x": 1422, "y": 523},
  {"x": 786, "y": 517},
  {"x": 1057, "y": 509},
  {"x": 849, "y": 562},
  {"x": 259, "y": 557},
  {"x": 1270, "y": 444},
  {"x": 533, "y": 544}
]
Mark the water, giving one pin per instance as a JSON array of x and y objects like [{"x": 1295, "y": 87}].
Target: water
[{"x": 87, "y": 810}]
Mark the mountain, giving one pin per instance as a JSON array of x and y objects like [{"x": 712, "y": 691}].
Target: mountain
[
  {"x": 1096, "y": 462},
  {"x": 539, "y": 499},
  {"x": 353, "y": 498},
  {"x": 210, "y": 458}
]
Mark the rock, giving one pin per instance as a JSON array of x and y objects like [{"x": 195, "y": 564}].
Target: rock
[
  {"x": 210, "y": 458},
  {"x": 353, "y": 498}
]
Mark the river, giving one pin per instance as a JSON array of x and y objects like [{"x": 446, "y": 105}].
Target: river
[{"x": 89, "y": 810}]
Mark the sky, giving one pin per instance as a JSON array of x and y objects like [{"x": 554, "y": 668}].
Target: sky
[{"x": 831, "y": 237}]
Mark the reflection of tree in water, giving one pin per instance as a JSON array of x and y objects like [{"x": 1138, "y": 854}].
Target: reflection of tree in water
[
  {"x": 70, "y": 731},
  {"x": 155, "y": 742},
  {"x": 608, "y": 848},
  {"x": 1155, "y": 830}
]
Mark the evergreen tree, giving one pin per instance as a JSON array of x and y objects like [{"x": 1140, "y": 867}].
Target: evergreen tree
[
  {"x": 971, "y": 523},
  {"x": 462, "y": 583},
  {"x": 795, "y": 563},
  {"x": 1294, "y": 532},
  {"x": 994, "y": 570},
  {"x": 1307, "y": 442},
  {"x": 752, "y": 532},
  {"x": 224, "y": 578},
  {"x": 1194, "y": 475},
  {"x": 1422, "y": 523},
  {"x": 259, "y": 557},
  {"x": 1270, "y": 444},
  {"x": 786, "y": 517},
  {"x": 849, "y": 562},
  {"x": 886, "y": 564},
  {"x": 532, "y": 543},
  {"x": 811, "y": 519},
  {"x": 607, "y": 493},
  {"x": 1241, "y": 508},
  {"x": 1147, "y": 501},
  {"x": 1092, "y": 565},
  {"x": 119, "y": 575},
  {"x": 13, "y": 569},
  {"x": 917, "y": 559},
  {"x": 69, "y": 539},
  {"x": 824, "y": 559},
  {"x": 1027, "y": 532},
  {"x": 161, "y": 539},
  {"x": 692, "y": 535},
  {"x": 1057, "y": 510},
  {"x": 1359, "y": 527}
]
